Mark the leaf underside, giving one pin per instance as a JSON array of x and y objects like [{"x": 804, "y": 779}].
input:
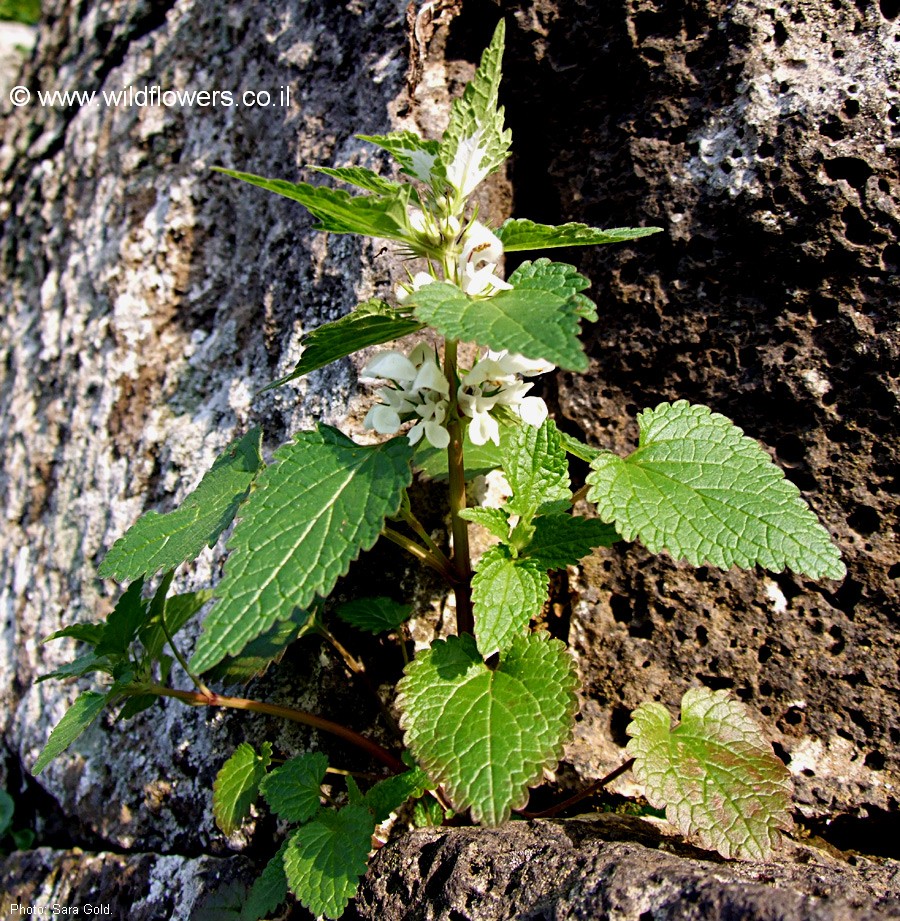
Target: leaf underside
[
  {"x": 486, "y": 735},
  {"x": 699, "y": 488},
  {"x": 715, "y": 773}
]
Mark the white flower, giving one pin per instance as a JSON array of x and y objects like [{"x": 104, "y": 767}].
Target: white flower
[
  {"x": 391, "y": 366},
  {"x": 433, "y": 411},
  {"x": 419, "y": 280},
  {"x": 481, "y": 251},
  {"x": 467, "y": 170}
]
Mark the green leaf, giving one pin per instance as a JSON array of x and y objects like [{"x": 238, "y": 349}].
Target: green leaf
[
  {"x": 374, "y": 615},
  {"x": 135, "y": 705},
  {"x": 237, "y": 785},
  {"x": 561, "y": 540},
  {"x": 578, "y": 448},
  {"x": 479, "y": 459},
  {"x": 123, "y": 622},
  {"x": 382, "y": 216},
  {"x": 269, "y": 890},
  {"x": 414, "y": 154},
  {"x": 86, "y": 708},
  {"x": 7, "y": 808},
  {"x": 484, "y": 734},
  {"x": 84, "y": 633},
  {"x": 518, "y": 234},
  {"x": 494, "y": 519},
  {"x": 268, "y": 648},
  {"x": 475, "y": 144},
  {"x": 539, "y": 324},
  {"x": 536, "y": 469},
  {"x": 322, "y": 501},
  {"x": 360, "y": 177},
  {"x": 158, "y": 542},
  {"x": 371, "y": 323},
  {"x": 293, "y": 790},
  {"x": 699, "y": 488},
  {"x": 715, "y": 773},
  {"x": 326, "y": 858},
  {"x": 23, "y": 839},
  {"x": 389, "y": 795},
  {"x": 81, "y": 666},
  {"x": 557, "y": 278},
  {"x": 506, "y": 593},
  {"x": 179, "y": 609},
  {"x": 428, "y": 813}
]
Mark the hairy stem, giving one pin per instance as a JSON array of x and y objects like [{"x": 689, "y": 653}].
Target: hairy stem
[
  {"x": 196, "y": 699},
  {"x": 465, "y": 622}
]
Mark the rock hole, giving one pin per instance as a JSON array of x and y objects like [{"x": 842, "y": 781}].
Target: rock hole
[
  {"x": 857, "y": 229},
  {"x": 716, "y": 682},
  {"x": 851, "y": 108},
  {"x": 894, "y": 571},
  {"x": 621, "y": 609},
  {"x": 781, "y": 753},
  {"x": 890, "y": 9},
  {"x": 764, "y": 653},
  {"x": 864, "y": 520},
  {"x": 702, "y": 635},
  {"x": 890, "y": 258},
  {"x": 852, "y": 170},
  {"x": 875, "y": 760},
  {"x": 780, "y": 36},
  {"x": 618, "y": 722},
  {"x": 794, "y": 716}
]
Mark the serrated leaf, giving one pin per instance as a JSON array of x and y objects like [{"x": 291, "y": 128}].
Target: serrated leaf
[
  {"x": 413, "y": 153},
  {"x": 179, "y": 609},
  {"x": 84, "y": 633},
  {"x": 536, "y": 469},
  {"x": 374, "y": 615},
  {"x": 381, "y": 216},
  {"x": 557, "y": 278},
  {"x": 519, "y": 234},
  {"x": 486, "y": 735},
  {"x": 538, "y": 324},
  {"x": 361, "y": 177},
  {"x": 478, "y": 459},
  {"x": 494, "y": 519},
  {"x": 506, "y": 594},
  {"x": 268, "y": 648},
  {"x": 123, "y": 622},
  {"x": 428, "y": 813},
  {"x": 293, "y": 790},
  {"x": 269, "y": 890},
  {"x": 321, "y": 502},
  {"x": 371, "y": 323},
  {"x": 156, "y": 542},
  {"x": 80, "y": 666},
  {"x": 578, "y": 448},
  {"x": 475, "y": 143},
  {"x": 562, "y": 540},
  {"x": 237, "y": 784},
  {"x": 715, "y": 773},
  {"x": 389, "y": 795},
  {"x": 86, "y": 708},
  {"x": 699, "y": 488},
  {"x": 325, "y": 859}
]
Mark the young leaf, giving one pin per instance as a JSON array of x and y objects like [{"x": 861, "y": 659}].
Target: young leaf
[
  {"x": 237, "y": 784},
  {"x": 475, "y": 144},
  {"x": 494, "y": 519},
  {"x": 561, "y": 540},
  {"x": 371, "y": 323},
  {"x": 179, "y": 609},
  {"x": 578, "y": 448},
  {"x": 698, "y": 487},
  {"x": 84, "y": 633},
  {"x": 323, "y": 500},
  {"x": 506, "y": 593},
  {"x": 123, "y": 622},
  {"x": 536, "y": 469},
  {"x": 325, "y": 858},
  {"x": 414, "y": 154},
  {"x": 81, "y": 666},
  {"x": 293, "y": 790},
  {"x": 715, "y": 773},
  {"x": 382, "y": 216},
  {"x": 484, "y": 734},
  {"x": 86, "y": 708},
  {"x": 158, "y": 542},
  {"x": 390, "y": 794},
  {"x": 361, "y": 177},
  {"x": 374, "y": 615},
  {"x": 536, "y": 324},
  {"x": 518, "y": 234},
  {"x": 269, "y": 890},
  {"x": 135, "y": 705}
]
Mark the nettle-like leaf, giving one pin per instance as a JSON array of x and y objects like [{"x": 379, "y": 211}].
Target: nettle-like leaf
[
  {"x": 83, "y": 632},
  {"x": 81, "y": 666},
  {"x": 413, "y": 153},
  {"x": 578, "y": 448},
  {"x": 237, "y": 784},
  {"x": 506, "y": 594},
  {"x": 178, "y": 610},
  {"x": 519, "y": 234},
  {"x": 157, "y": 542},
  {"x": 536, "y": 469},
  {"x": 86, "y": 708},
  {"x": 123, "y": 622},
  {"x": 475, "y": 143},
  {"x": 325, "y": 858},
  {"x": 494, "y": 519},
  {"x": 381, "y": 216},
  {"x": 323, "y": 500},
  {"x": 293, "y": 790},
  {"x": 486, "y": 735},
  {"x": 699, "y": 488},
  {"x": 361, "y": 177},
  {"x": 390, "y": 794},
  {"x": 374, "y": 615},
  {"x": 714, "y": 773},
  {"x": 371, "y": 323},
  {"x": 558, "y": 278},
  {"x": 269, "y": 890},
  {"x": 561, "y": 540}
]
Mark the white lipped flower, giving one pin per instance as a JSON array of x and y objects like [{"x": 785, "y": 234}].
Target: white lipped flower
[
  {"x": 467, "y": 171},
  {"x": 481, "y": 252},
  {"x": 419, "y": 280}
]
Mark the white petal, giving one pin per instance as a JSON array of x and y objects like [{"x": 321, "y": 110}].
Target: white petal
[
  {"x": 532, "y": 410},
  {"x": 431, "y": 377},
  {"x": 392, "y": 366},
  {"x": 436, "y": 434},
  {"x": 383, "y": 419},
  {"x": 483, "y": 428},
  {"x": 415, "y": 433}
]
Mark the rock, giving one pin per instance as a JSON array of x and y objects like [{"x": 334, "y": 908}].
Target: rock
[{"x": 611, "y": 867}]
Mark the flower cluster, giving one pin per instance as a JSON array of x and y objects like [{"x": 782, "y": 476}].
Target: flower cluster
[{"x": 420, "y": 391}]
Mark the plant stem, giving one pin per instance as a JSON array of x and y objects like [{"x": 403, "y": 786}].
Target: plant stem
[
  {"x": 465, "y": 622},
  {"x": 195, "y": 699},
  {"x": 417, "y": 526},
  {"x": 420, "y": 553},
  {"x": 583, "y": 794},
  {"x": 198, "y": 684}
]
